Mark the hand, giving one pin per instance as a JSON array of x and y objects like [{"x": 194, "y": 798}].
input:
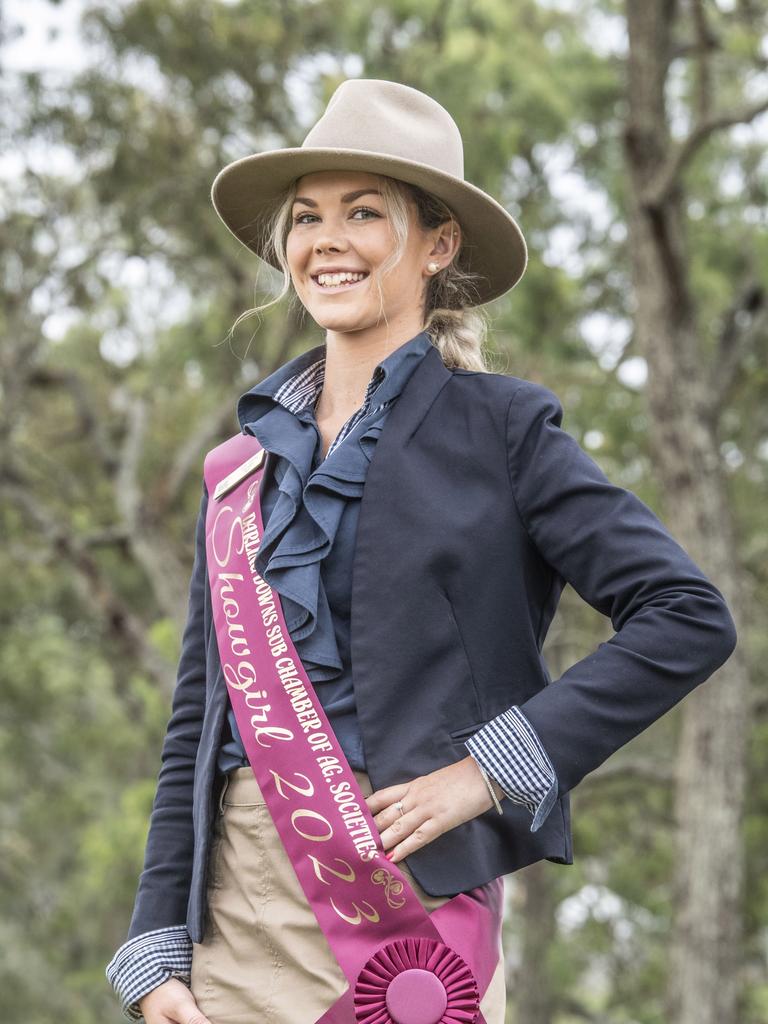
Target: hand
[
  {"x": 171, "y": 1003},
  {"x": 433, "y": 804}
]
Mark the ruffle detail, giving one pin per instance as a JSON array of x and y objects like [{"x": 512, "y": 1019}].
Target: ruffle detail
[{"x": 303, "y": 523}]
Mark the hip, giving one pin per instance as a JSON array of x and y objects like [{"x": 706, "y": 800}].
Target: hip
[{"x": 263, "y": 955}]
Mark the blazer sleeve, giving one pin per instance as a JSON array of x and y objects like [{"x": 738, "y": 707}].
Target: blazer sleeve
[
  {"x": 164, "y": 884},
  {"x": 673, "y": 627}
]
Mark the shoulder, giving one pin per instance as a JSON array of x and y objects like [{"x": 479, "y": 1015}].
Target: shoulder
[{"x": 514, "y": 397}]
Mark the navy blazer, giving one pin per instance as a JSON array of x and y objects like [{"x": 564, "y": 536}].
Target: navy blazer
[{"x": 478, "y": 508}]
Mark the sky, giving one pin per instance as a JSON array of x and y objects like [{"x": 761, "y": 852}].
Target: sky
[{"x": 50, "y": 39}]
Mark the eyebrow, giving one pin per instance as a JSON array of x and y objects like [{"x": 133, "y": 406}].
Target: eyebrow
[{"x": 348, "y": 198}]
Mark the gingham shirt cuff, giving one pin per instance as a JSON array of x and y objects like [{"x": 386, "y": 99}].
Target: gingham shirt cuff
[
  {"x": 146, "y": 961},
  {"x": 511, "y": 752}
]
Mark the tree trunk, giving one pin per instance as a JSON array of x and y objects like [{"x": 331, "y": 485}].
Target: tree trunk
[
  {"x": 711, "y": 759},
  {"x": 531, "y": 990}
]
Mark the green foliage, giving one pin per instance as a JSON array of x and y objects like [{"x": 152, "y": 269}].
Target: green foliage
[{"x": 129, "y": 249}]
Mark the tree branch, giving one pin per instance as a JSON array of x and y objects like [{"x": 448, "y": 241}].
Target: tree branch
[
  {"x": 703, "y": 66},
  {"x": 149, "y": 548},
  {"x": 208, "y": 430},
  {"x": 92, "y": 584},
  {"x": 45, "y": 377},
  {"x": 656, "y": 194},
  {"x": 744, "y": 322}
]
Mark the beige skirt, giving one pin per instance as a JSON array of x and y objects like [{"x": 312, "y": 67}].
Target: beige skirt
[{"x": 263, "y": 958}]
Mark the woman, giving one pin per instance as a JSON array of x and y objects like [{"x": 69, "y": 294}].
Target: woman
[{"x": 417, "y": 585}]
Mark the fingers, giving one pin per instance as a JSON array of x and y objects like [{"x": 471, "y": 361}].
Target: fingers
[
  {"x": 188, "y": 1011},
  {"x": 408, "y": 836},
  {"x": 195, "y": 1017},
  {"x": 403, "y": 832},
  {"x": 391, "y": 817},
  {"x": 383, "y": 798},
  {"x": 171, "y": 1002}
]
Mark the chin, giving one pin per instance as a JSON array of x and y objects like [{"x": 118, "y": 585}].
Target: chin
[{"x": 342, "y": 321}]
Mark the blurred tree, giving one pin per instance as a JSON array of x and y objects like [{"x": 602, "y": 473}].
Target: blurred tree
[{"x": 693, "y": 366}]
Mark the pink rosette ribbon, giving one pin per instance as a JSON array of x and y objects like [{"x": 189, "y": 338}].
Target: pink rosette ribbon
[{"x": 416, "y": 981}]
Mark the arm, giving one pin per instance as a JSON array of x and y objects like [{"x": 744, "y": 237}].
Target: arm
[
  {"x": 158, "y": 945},
  {"x": 673, "y": 627}
]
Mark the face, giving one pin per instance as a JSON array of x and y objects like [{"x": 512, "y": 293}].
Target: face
[{"x": 339, "y": 222}]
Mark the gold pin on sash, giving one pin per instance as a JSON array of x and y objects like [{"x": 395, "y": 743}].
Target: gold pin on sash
[{"x": 237, "y": 475}]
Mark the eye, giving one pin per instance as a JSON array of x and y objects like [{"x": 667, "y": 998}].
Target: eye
[{"x": 299, "y": 218}]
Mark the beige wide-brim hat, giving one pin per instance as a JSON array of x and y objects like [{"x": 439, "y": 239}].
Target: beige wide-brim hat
[{"x": 384, "y": 128}]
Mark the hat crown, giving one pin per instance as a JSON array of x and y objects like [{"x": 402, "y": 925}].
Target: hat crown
[{"x": 382, "y": 117}]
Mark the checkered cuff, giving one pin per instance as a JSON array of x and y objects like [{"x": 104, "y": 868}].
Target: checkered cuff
[
  {"x": 146, "y": 961},
  {"x": 511, "y": 752}
]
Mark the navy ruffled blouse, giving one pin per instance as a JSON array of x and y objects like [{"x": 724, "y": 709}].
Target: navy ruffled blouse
[{"x": 310, "y": 507}]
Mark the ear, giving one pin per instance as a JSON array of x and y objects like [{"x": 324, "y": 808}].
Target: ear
[{"x": 446, "y": 241}]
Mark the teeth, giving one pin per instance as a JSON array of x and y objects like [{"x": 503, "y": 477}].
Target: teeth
[{"x": 331, "y": 280}]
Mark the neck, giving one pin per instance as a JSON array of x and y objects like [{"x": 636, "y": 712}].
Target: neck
[{"x": 350, "y": 358}]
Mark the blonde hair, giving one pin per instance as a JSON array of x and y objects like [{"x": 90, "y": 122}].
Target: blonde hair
[{"x": 457, "y": 329}]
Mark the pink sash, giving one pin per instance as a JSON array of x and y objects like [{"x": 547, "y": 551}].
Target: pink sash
[{"x": 404, "y": 965}]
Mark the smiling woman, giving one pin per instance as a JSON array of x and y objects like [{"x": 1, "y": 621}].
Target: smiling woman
[
  {"x": 399, "y": 523},
  {"x": 340, "y": 235}
]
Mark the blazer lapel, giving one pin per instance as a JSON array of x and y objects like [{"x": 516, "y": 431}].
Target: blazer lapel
[{"x": 422, "y": 388}]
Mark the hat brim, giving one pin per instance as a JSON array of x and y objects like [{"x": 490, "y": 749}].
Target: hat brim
[{"x": 245, "y": 191}]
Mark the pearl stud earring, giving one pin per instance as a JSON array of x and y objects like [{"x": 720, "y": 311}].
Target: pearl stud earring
[{"x": 433, "y": 267}]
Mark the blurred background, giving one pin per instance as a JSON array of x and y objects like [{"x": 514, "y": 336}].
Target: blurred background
[{"x": 629, "y": 141}]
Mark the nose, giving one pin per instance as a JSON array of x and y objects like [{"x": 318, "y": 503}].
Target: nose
[
  {"x": 321, "y": 247},
  {"x": 330, "y": 238}
]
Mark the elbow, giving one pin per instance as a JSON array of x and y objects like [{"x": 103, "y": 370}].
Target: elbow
[
  {"x": 729, "y": 636},
  {"x": 723, "y": 633}
]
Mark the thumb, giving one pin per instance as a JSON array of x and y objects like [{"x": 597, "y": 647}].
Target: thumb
[{"x": 189, "y": 1012}]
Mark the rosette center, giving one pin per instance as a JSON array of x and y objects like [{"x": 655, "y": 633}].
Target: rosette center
[{"x": 416, "y": 997}]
